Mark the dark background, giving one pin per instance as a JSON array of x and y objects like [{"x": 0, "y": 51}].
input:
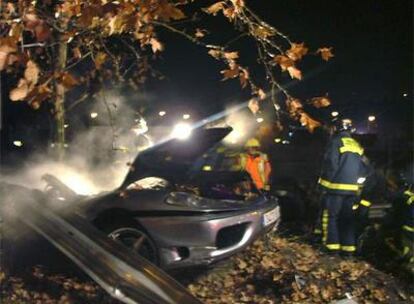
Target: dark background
[{"x": 371, "y": 73}]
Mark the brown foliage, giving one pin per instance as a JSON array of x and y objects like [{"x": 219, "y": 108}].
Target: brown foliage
[
  {"x": 321, "y": 102},
  {"x": 279, "y": 270},
  {"x": 326, "y": 53}
]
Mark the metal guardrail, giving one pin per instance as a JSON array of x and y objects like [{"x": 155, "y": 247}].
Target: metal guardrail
[{"x": 123, "y": 274}]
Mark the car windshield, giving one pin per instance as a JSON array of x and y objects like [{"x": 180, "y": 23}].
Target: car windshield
[{"x": 149, "y": 183}]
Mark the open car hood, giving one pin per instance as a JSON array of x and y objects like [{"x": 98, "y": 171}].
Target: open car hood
[{"x": 174, "y": 158}]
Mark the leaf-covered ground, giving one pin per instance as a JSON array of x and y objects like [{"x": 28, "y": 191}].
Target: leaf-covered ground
[
  {"x": 281, "y": 270},
  {"x": 275, "y": 270}
]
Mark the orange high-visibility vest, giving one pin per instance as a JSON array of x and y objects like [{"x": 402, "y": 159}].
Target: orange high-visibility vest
[{"x": 259, "y": 169}]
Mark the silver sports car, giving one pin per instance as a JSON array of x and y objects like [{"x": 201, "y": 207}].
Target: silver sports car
[{"x": 175, "y": 211}]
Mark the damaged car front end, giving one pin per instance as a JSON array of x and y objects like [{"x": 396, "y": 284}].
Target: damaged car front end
[{"x": 175, "y": 214}]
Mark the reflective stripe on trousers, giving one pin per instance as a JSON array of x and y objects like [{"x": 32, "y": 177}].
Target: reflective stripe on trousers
[{"x": 338, "y": 222}]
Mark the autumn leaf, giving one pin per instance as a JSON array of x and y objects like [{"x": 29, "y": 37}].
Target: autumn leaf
[
  {"x": 293, "y": 105},
  {"x": 253, "y": 105},
  {"x": 215, "y": 53},
  {"x": 238, "y": 4},
  {"x": 16, "y": 31},
  {"x": 231, "y": 55},
  {"x": 100, "y": 59},
  {"x": 261, "y": 94},
  {"x": 68, "y": 80},
  {"x": 70, "y": 9},
  {"x": 39, "y": 94},
  {"x": 200, "y": 33},
  {"x": 115, "y": 24},
  {"x": 230, "y": 13},
  {"x": 308, "y": 122},
  {"x": 284, "y": 62},
  {"x": 37, "y": 26},
  {"x": 30, "y": 20},
  {"x": 42, "y": 31},
  {"x": 6, "y": 48},
  {"x": 294, "y": 72},
  {"x": 320, "y": 102},
  {"x": 233, "y": 72},
  {"x": 241, "y": 264},
  {"x": 77, "y": 53},
  {"x": 31, "y": 74},
  {"x": 297, "y": 51},
  {"x": 167, "y": 11},
  {"x": 262, "y": 32},
  {"x": 244, "y": 77},
  {"x": 215, "y": 8},
  {"x": 21, "y": 91},
  {"x": 326, "y": 53},
  {"x": 156, "y": 45},
  {"x": 86, "y": 17}
]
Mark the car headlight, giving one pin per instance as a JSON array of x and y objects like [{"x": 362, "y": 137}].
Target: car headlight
[{"x": 183, "y": 199}]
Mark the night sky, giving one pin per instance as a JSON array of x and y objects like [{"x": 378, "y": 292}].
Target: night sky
[
  {"x": 373, "y": 66},
  {"x": 371, "y": 70}
]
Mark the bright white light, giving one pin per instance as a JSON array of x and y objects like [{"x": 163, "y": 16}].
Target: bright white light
[
  {"x": 94, "y": 115},
  {"x": 405, "y": 94},
  {"x": 361, "y": 180},
  {"x": 371, "y": 118},
  {"x": 140, "y": 127},
  {"x": 278, "y": 140},
  {"x": 186, "y": 116},
  {"x": 181, "y": 131},
  {"x": 260, "y": 119},
  {"x": 65, "y": 126},
  {"x": 234, "y": 137},
  {"x": 162, "y": 113},
  {"x": 18, "y": 143},
  {"x": 334, "y": 113},
  {"x": 285, "y": 142}
]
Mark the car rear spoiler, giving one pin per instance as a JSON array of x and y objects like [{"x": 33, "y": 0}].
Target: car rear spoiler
[{"x": 124, "y": 275}]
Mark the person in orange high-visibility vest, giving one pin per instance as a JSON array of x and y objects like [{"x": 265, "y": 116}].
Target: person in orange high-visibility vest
[{"x": 256, "y": 164}]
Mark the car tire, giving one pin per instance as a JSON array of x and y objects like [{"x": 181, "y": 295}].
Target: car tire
[{"x": 130, "y": 234}]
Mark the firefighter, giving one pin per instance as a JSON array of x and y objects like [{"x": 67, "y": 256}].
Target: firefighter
[
  {"x": 256, "y": 164},
  {"x": 342, "y": 166},
  {"x": 401, "y": 219}
]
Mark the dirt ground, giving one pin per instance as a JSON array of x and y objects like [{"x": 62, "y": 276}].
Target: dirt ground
[{"x": 272, "y": 270}]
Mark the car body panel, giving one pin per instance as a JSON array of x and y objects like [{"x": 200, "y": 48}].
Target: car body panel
[{"x": 188, "y": 227}]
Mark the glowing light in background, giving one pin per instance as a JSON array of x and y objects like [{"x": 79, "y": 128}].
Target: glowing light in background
[
  {"x": 162, "y": 113},
  {"x": 371, "y": 118},
  {"x": 181, "y": 131},
  {"x": 186, "y": 116},
  {"x": 18, "y": 143},
  {"x": 65, "y": 126},
  {"x": 94, "y": 115},
  {"x": 140, "y": 127},
  {"x": 278, "y": 140},
  {"x": 405, "y": 95},
  {"x": 260, "y": 119},
  {"x": 234, "y": 137},
  {"x": 334, "y": 114}
]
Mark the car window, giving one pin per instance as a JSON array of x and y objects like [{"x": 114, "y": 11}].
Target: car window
[{"x": 149, "y": 183}]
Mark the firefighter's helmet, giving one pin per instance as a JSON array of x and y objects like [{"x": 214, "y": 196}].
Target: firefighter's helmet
[
  {"x": 344, "y": 124},
  {"x": 252, "y": 143}
]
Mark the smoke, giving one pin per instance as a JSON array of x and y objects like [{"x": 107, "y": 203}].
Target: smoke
[{"x": 97, "y": 156}]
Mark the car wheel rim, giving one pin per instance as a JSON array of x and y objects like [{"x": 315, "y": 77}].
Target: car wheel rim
[{"x": 137, "y": 241}]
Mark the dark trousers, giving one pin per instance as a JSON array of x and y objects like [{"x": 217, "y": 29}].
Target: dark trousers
[{"x": 338, "y": 222}]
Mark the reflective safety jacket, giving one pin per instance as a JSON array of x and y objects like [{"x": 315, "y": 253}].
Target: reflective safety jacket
[
  {"x": 342, "y": 165},
  {"x": 408, "y": 213},
  {"x": 258, "y": 167}
]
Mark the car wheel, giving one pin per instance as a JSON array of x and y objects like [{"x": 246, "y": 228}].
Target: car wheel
[{"x": 135, "y": 239}]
